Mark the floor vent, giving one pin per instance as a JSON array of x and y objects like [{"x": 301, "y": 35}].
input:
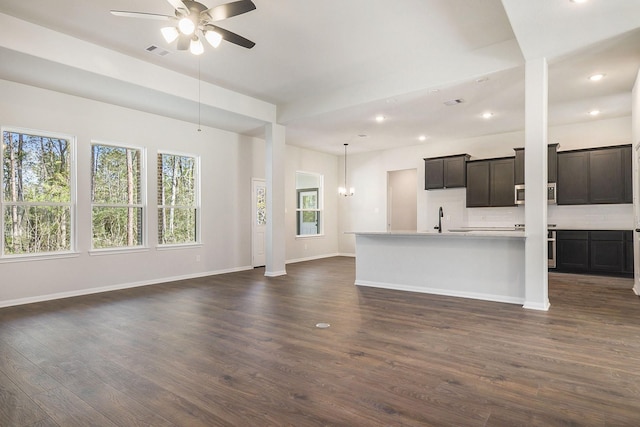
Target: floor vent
[
  {"x": 454, "y": 101},
  {"x": 157, "y": 50}
]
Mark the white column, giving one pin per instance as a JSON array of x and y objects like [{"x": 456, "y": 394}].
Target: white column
[
  {"x": 535, "y": 180},
  {"x": 635, "y": 135},
  {"x": 275, "y": 166}
]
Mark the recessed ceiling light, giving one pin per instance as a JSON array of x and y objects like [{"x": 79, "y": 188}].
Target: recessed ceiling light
[
  {"x": 487, "y": 115},
  {"x": 578, "y": 1},
  {"x": 482, "y": 80},
  {"x": 380, "y": 118},
  {"x": 362, "y": 135},
  {"x": 434, "y": 90},
  {"x": 596, "y": 77},
  {"x": 594, "y": 112},
  {"x": 422, "y": 138}
]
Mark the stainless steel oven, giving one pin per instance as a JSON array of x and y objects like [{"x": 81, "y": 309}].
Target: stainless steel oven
[
  {"x": 551, "y": 194},
  {"x": 551, "y": 243},
  {"x": 520, "y": 194}
]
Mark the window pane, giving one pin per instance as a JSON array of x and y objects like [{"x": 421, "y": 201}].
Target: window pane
[
  {"x": 177, "y": 184},
  {"x": 309, "y": 199},
  {"x": 177, "y": 197},
  {"x": 308, "y": 223},
  {"x": 36, "y": 168},
  {"x": 116, "y": 227},
  {"x": 176, "y": 225},
  {"x": 115, "y": 175},
  {"x": 309, "y": 203},
  {"x": 261, "y": 205},
  {"x": 33, "y": 229}
]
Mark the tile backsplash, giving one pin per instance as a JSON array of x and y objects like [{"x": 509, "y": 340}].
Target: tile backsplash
[{"x": 456, "y": 214}]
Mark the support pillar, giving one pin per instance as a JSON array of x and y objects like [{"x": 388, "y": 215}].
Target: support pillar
[
  {"x": 535, "y": 179},
  {"x": 274, "y": 168}
]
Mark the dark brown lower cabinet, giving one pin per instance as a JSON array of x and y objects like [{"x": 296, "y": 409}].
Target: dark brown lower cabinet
[
  {"x": 607, "y": 251},
  {"x": 628, "y": 252},
  {"x": 572, "y": 251},
  {"x": 594, "y": 251}
]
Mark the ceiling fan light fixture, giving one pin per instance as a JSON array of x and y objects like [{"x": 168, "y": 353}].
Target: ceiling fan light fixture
[
  {"x": 186, "y": 26},
  {"x": 214, "y": 38},
  {"x": 196, "y": 46},
  {"x": 170, "y": 34}
]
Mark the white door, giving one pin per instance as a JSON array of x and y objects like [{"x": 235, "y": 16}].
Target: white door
[{"x": 258, "y": 222}]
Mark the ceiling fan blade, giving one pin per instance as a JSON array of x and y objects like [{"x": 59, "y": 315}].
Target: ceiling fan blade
[
  {"x": 184, "y": 42},
  {"x": 231, "y": 37},
  {"x": 143, "y": 15},
  {"x": 228, "y": 10},
  {"x": 178, "y": 5}
]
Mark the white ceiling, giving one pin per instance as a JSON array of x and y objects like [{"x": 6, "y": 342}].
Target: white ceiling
[{"x": 331, "y": 66}]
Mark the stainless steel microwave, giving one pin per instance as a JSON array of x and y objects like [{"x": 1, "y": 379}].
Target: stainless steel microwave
[{"x": 551, "y": 194}]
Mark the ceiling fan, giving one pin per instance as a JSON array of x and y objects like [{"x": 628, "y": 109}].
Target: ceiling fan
[{"x": 193, "y": 20}]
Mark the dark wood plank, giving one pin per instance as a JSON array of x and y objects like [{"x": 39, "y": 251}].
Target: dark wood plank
[
  {"x": 243, "y": 349},
  {"x": 16, "y": 408}
]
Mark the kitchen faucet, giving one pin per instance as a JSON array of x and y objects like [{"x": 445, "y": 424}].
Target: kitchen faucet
[{"x": 440, "y": 215}]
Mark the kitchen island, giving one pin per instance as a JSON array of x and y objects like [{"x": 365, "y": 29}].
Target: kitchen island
[{"x": 486, "y": 265}]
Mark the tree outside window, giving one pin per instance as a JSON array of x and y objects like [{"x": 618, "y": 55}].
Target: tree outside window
[
  {"x": 37, "y": 192},
  {"x": 178, "y": 201},
  {"x": 117, "y": 211}
]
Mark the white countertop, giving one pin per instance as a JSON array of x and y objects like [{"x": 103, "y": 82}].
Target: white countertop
[{"x": 486, "y": 233}]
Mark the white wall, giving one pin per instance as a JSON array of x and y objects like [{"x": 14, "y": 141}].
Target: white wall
[
  {"x": 227, "y": 160},
  {"x": 311, "y": 247},
  {"x": 366, "y": 211}
]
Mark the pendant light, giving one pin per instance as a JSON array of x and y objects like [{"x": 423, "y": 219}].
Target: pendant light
[{"x": 343, "y": 190}]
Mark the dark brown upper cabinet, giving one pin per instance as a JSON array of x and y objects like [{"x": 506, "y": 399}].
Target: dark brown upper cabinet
[
  {"x": 552, "y": 164},
  {"x": 573, "y": 178},
  {"x": 478, "y": 184},
  {"x": 490, "y": 182},
  {"x": 445, "y": 172},
  {"x": 595, "y": 176}
]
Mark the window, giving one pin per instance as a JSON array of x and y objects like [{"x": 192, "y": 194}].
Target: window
[
  {"x": 178, "y": 199},
  {"x": 38, "y": 194},
  {"x": 309, "y": 203},
  {"x": 116, "y": 196}
]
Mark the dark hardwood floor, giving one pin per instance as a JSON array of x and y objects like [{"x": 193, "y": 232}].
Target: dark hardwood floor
[{"x": 243, "y": 350}]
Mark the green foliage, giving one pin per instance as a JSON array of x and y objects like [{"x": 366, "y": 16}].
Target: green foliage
[
  {"x": 36, "y": 193},
  {"x": 115, "y": 192},
  {"x": 177, "y": 213}
]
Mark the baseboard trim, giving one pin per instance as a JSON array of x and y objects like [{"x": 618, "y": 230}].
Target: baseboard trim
[
  {"x": 275, "y": 273},
  {"x": 347, "y": 255},
  {"x": 311, "y": 258},
  {"x": 536, "y": 306},
  {"x": 121, "y": 286}
]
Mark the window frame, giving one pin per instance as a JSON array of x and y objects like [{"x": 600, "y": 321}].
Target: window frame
[
  {"x": 143, "y": 200},
  {"x": 197, "y": 196},
  {"x": 72, "y": 204},
  {"x": 320, "y": 205}
]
